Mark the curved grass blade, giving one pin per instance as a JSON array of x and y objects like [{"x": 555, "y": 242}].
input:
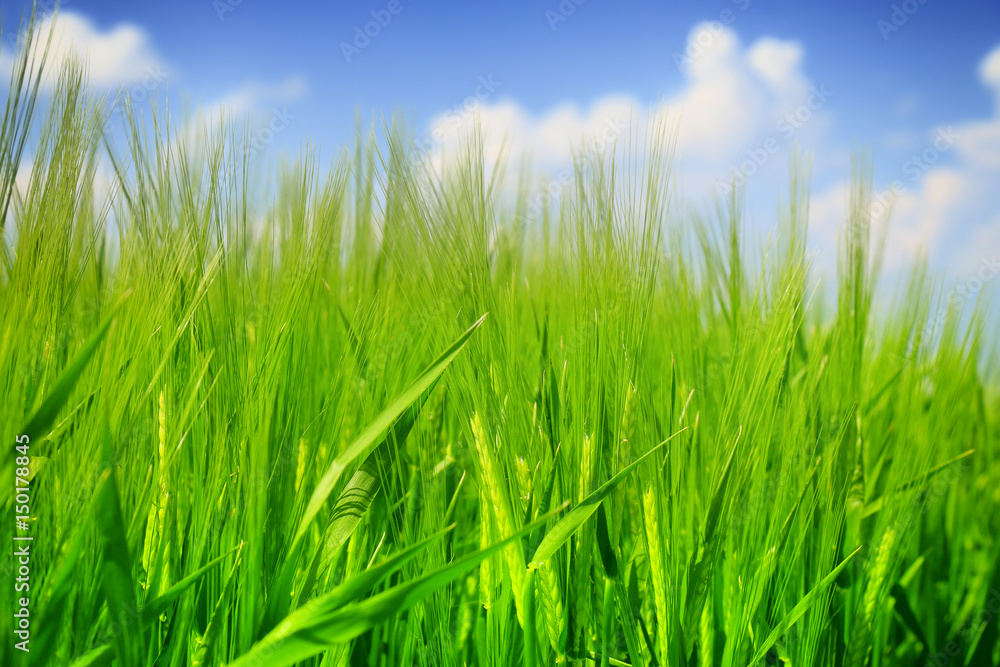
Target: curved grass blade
[
  {"x": 152, "y": 609},
  {"x": 577, "y": 516},
  {"x": 373, "y": 435},
  {"x": 363, "y": 445},
  {"x": 796, "y": 613},
  {"x": 325, "y": 621},
  {"x": 203, "y": 654},
  {"x": 354, "y": 501},
  {"x": 102, "y": 655},
  {"x": 876, "y": 505},
  {"x": 347, "y": 592},
  {"x": 351, "y": 507}
]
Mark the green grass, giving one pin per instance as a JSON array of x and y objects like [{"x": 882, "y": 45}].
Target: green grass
[{"x": 387, "y": 419}]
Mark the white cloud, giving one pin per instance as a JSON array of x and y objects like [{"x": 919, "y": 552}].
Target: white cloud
[
  {"x": 549, "y": 139},
  {"x": 921, "y": 219},
  {"x": 263, "y": 110},
  {"x": 779, "y": 64},
  {"x": 119, "y": 56},
  {"x": 979, "y": 141},
  {"x": 733, "y": 100},
  {"x": 989, "y": 73},
  {"x": 723, "y": 106},
  {"x": 950, "y": 209},
  {"x": 23, "y": 176},
  {"x": 254, "y": 95}
]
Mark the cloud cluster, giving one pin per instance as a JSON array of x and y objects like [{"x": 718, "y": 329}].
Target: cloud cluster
[
  {"x": 734, "y": 98},
  {"x": 739, "y": 108},
  {"x": 122, "y": 58},
  {"x": 944, "y": 203},
  {"x": 119, "y": 56},
  {"x": 255, "y": 95}
]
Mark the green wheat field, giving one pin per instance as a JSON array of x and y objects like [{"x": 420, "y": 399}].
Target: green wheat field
[{"x": 388, "y": 416}]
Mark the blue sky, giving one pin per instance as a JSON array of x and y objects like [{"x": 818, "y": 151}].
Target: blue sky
[{"x": 903, "y": 78}]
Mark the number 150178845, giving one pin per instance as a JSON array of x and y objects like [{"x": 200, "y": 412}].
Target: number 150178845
[{"x": 22, "y": 473}]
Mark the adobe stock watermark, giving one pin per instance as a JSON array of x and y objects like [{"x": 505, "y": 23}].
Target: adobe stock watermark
[
  {"x": 901, "y": 13},
  {"x": 223, "y": 7},
  {"x": 280, "y": 120},
  {"x": 363, "y": 35},
  {"x": 454, "y": 118},
  {"x": 963, "y": 293},
  {"x": 562, "y": 13},
  {"x": 140, "y": 91},
  {"x": 786, "y": 127},
  {"x": 595, "y": 143},
  {"x": 707, "y": 35},
  {"x": 934, "y": 494},
  {"x": 915, "y": 167},
  {"x": 968, "y": 632}
]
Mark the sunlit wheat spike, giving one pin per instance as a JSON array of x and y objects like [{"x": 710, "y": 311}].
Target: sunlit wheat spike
[
  {"x": 501, "y": 510},
  {"x": 553, "y": 608},
  {"x": 300, "y": 466},
  {"x": 706, "y": 635},
  {"x": 486, "y": 538},
  {"x": 860, "y": 645},
  {"x": 586, "y": 467},
  {"x": 628, "y": 420},
  {"x": 583, "y": 591},
  {"x": 657, "y": 575}
]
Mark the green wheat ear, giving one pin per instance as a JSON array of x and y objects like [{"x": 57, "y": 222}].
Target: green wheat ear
[
  {"x": 655, "y": 551},
  {"x": 501, "y": 512},
  {"x": 553, "y": 608},
  {"x": 875, "y": 589}
]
